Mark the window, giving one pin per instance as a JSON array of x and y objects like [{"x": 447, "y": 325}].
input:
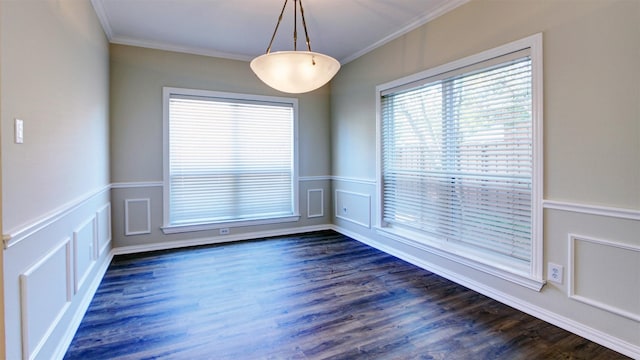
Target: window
[
  {"x": 229, "y": 160},
  {"x": 459, "y": 163}
]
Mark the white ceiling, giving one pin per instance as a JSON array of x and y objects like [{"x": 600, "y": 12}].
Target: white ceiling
[{"x": 241, "y": 29}]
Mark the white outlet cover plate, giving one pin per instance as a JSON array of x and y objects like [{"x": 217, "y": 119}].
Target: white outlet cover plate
[{"x": 555, "y": 273}]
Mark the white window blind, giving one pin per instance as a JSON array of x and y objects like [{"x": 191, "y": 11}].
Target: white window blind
[
  {"x": 457, "y": 158},
  {"x": 229, "y": 159}
]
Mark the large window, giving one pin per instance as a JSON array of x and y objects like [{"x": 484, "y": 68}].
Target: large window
[
  {"x": 459, "y": 159},
  {"x": 229, "y": 159}
]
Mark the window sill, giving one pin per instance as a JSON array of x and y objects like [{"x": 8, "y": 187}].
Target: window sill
[
  {"x": 467, "y": 259},
  {"x": 176, "y": 229}
]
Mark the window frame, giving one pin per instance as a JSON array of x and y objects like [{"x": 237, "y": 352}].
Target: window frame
[
  {"x": 168, "y": 228},
  {"x": 533, "y": 278}
]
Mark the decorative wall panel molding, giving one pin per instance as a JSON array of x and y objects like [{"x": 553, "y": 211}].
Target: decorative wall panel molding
[
  {"x": 353, "y": 207},
  {"x": 597, "y": 282},
  {"x": 315, "y": 203},
  {"x": 137, "y": 215},
  {"x": 46, "y": 279},
  {"x": 84, "y": 252},
  {"x": 103, "y": 228},
  {"x": 45, "y": 294}
]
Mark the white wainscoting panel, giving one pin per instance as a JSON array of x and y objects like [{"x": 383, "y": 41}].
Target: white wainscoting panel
[
  {"x": 137, "y": 216},
  {"x": 84, "y": 254},
  {"x": 612, "y": 285},
  {"x": 353, "y": 207},
  {"x": 45, "y": 294},
  {"x": 103, "y": 228},
  {"x": 315, "y": 203}
]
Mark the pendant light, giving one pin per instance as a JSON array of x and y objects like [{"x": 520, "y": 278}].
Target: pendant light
[{"x": 294, "y": 71}]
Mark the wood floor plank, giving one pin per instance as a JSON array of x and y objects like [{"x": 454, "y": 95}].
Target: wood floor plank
[{"x": 311, "y": 296}]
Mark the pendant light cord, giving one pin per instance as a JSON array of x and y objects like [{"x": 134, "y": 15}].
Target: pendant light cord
[
  {"x": 304, "y": 24},
  {"x": 295, "y": 27},
  {"x": 277, "y": 25}
]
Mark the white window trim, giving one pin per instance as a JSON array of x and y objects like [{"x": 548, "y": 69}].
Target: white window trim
[
  {"x": 534, "y": 279},
  {"x": 168, "y": 228}
]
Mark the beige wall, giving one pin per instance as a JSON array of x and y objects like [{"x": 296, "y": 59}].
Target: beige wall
[
  {"x": 54, "y": 77},
  {"x": 591, "y": 149},
  {"x": 54, "y": 73},
  {"x": 137, "y": 78},
  {"x": 591, "y": 89}
]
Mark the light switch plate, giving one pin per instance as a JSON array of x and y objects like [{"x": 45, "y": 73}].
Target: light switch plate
[{"x": 19, "y": 136}]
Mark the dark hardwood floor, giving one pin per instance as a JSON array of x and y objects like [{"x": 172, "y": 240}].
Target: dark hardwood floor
[{"x": 312, "y": 296}]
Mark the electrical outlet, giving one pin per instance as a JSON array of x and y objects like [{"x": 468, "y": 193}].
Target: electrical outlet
[
  {"x": 554, "y": 273},
  {"x": 224, "y": 231}
]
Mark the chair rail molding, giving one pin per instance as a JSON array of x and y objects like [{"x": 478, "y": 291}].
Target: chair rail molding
[
  {"x": 622, "y": 213},
  {"x": 16, "y": 235}
]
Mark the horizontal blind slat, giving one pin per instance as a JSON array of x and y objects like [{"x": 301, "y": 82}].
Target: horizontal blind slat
[
  {"x": 457, "y": 158},
  {"x": 229, "y": 159}
]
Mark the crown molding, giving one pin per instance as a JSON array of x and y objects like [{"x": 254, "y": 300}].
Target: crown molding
[
  {"x": 103, "y": 18},
  {"x": 177, "y": 48},
  {"x": 439, "y": 11},
  {"x": 114, "y": 39}
]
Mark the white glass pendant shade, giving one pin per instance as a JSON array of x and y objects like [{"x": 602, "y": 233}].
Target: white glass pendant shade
[{"x": 295, "y": 71}]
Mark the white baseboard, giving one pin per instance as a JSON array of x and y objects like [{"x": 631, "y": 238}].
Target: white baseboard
[
  {"x": 82, "y": 308},
  {"x": 216, "y": 240},
  {"x": 561, "y": 321}
]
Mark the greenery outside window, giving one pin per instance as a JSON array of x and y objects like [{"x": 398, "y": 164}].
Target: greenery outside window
[{"x": 460, "y": 165}]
